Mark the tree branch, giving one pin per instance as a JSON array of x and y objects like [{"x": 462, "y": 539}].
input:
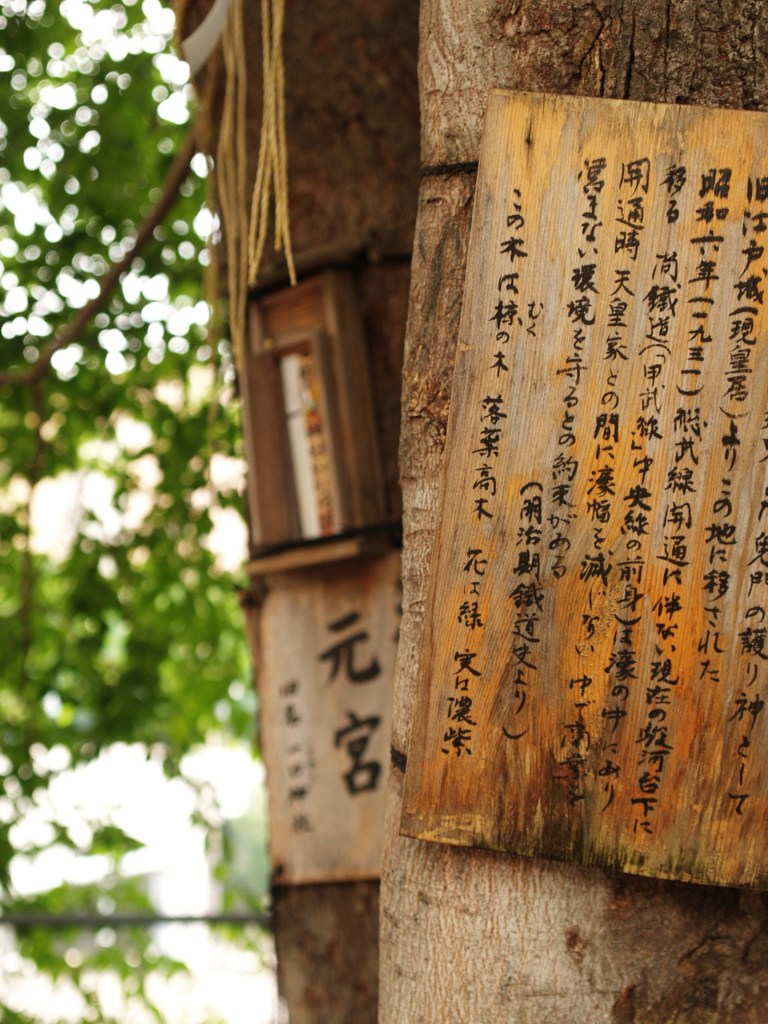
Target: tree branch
[{"x": 72, "y": 332}]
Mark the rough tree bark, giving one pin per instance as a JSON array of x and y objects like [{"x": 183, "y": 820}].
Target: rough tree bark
[{"x": 473, "y": 937}]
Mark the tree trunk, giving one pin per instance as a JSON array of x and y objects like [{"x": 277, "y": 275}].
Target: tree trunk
[{"x": 468, "y": 936}]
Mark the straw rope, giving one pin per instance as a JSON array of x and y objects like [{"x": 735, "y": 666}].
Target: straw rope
[
  {"x": 231, "y": 170},
  {"x": 245, "y": 218},
  {"x": 272, "y": 167}
]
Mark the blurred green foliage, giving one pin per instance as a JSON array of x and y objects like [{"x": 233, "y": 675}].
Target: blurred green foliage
[{"x": 117, "y": 622}]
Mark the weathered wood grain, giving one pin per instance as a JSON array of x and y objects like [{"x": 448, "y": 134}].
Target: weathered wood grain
[{"x": 593, "y": 679}]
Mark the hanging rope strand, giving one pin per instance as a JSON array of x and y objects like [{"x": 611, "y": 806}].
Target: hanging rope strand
[
  {"x": 282, "y": 225},
  {"x": 262, "y": 185},
  {"x": 232, "y": 177},
  {"x": 241, "y": 151},
  {"x": 224, "y": 177},
  {"x": 272, "y": 169}
]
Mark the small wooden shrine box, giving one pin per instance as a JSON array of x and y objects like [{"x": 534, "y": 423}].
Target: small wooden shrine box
[{"x": 309, "y": 418}]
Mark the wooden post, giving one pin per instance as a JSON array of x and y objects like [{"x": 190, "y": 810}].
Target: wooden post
[{"x": 352, "y": 139}]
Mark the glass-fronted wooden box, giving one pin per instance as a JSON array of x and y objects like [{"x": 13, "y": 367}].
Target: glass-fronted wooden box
[{"x": 315, "y": 487}]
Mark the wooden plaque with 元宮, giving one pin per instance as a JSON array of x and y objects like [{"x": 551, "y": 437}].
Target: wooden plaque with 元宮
[
  {"x": 594, "y": 669},
  {"x": 327, "y": 638}
]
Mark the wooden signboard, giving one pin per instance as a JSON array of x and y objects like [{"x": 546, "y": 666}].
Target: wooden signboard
[
  {"x": 328, "y": 639},
  {"x": 595, "y": 668}
]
